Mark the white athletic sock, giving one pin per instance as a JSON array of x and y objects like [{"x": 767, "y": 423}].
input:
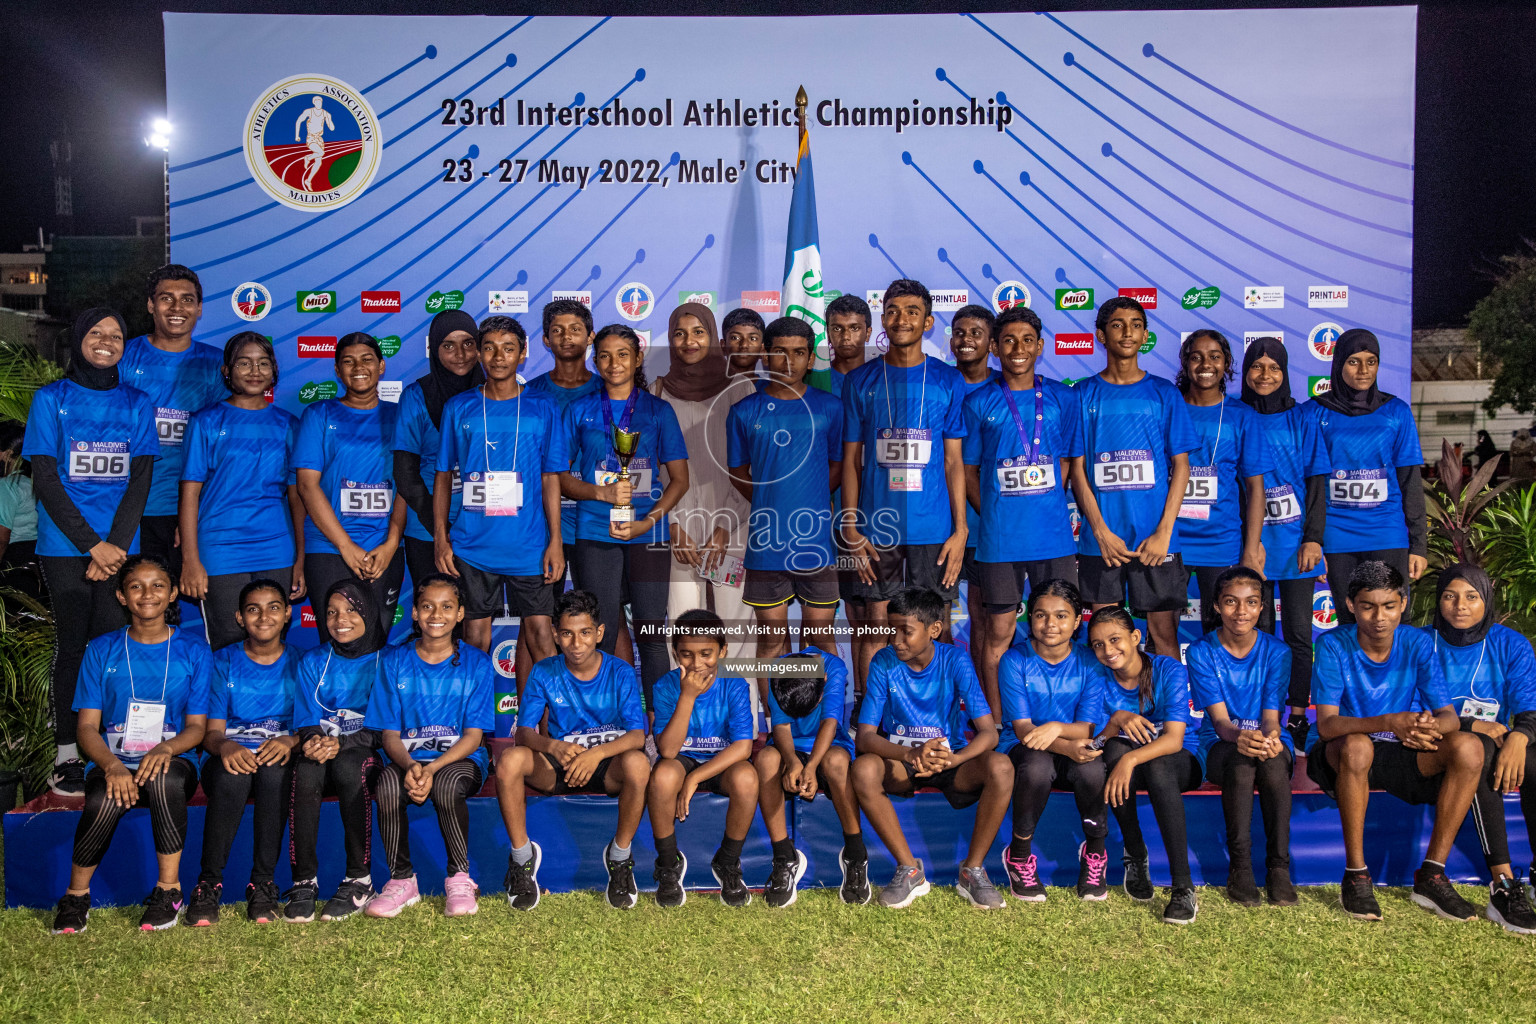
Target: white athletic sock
[
  {"x": 619, "y": 853},
  {"x": 67, "y": 752}
]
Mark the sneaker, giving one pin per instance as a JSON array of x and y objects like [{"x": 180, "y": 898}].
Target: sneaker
[
  {"x": 352, "y": 895},
  {"x": 301, "y": 902},
  {"x": 1242, "y": 888},
  {"x": 906, "y": 885},
  {"x": 1299, "y": 728},
  {"x": 261, "y": 899},
  {"x": 1023, "y": 877},
  {"x": 1138, "y": 878},
  {"x": 855, "y": 888},
  {"x": 733, "y": 891},
  {"x": 68, "y": 778},
  {"x": 398, "y": 894},
  {"x": 975, "y": 886},
  {"x": 1508, "y": 906},
  {"x": 622, "y": 891},
  {"x": 203, "y": 907},
  {"x": 162, "y": 908},
  {"x": 459, "y": 892},
  {"x": 1092, "y": 871},
  {"x": 781, "y": 890},
  {"x": 522, "y": 882},
  {"x": 73, "y": 912},
  {"x": 1433, "y": 891},
  {"x": 669, "y": 882},
  {"x": 1281, "y": 892},
  {"x": 1358, "y": 895},
  {"x": 1182, "y": 906}
]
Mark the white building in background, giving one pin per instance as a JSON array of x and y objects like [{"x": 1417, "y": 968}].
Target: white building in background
[{"x": 1450, "y": 383}]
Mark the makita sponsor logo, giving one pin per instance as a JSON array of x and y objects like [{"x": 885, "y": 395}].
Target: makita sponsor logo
[
  {"x": 1074, "y": 344},
  {"x": 381, "y": 302},
  {"x": 1146, "y": 296},
  {"x": 317, "y": 347}
]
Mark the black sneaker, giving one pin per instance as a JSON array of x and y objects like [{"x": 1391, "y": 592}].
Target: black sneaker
[
  {"x": 622, "y": 891},
  {"x": 203, "y": 908},
  {"x": 855, "y": 888},
  {"x": 1299, "y": 728},
  {"x": 352, "y": 895},
  {"x": 1138, "y": 877},
  {"x": 733, "y": 891},
  {"x": 1433, "y": 891},
  {"x": 68, "y": 778},
  {"x": 669, "y": 882},
  {"x": 1508, "y": 906},
  {"x": 301, "y": 902},
  {"x": 1358, "y": 895},
  {"x": 523, "y": 881},
  {"x": 1182, "y": 906},
  {"x": 261, "y": 902},
  {"x": 1281, "y": 892},
  {"x": 70, "y": 918},
  {"x": 1242, "y": 889},
  {"x": 783, "y": 881},
  {"x": 162, "y": 908}
]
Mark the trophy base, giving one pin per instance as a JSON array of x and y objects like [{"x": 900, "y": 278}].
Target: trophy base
[{"x": 621, "y": 514}]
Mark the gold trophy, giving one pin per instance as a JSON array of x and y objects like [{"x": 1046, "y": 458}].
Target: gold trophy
[{"x": 624, "y": 444}]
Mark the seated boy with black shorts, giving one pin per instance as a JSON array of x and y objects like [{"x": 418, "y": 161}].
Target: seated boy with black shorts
[{"x": 593, "y": 743}]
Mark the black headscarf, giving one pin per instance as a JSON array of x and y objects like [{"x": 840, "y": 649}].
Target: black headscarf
[
  {"x": 80, "y": 369},
  {"x": 1483, "y": 585},
  {"x": 362, "y": 602},
  {"x": 1278, "y": 400},
  {"x": 1343, "y": 398},
  {"x": 439, "y": 384}
]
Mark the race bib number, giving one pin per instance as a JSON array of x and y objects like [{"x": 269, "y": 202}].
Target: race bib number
[
  {"x": 1385, "y": 737},
  {"x": 365, "y": 501},
  {"x": 1281, "y": 506},
  {"x": 904, "y": 478},
  {"x": 1357, "y": 488},
  {"x": 903, "y": 447},
  {"x": 145, "y": 727},
  {"x": 253, "y": 734},
  {"x": 1129, "y": 469},
  {"x": 1248, "y": 724},
  {"x": 589, "y": 738},
  {"x": 429, "y": 739},
  {"x": 1480, "y": 710},
  {"x": 729, "y": 573},
  {"x": 913, "y": 736},
  {"x": 495, "y": 494},
  {"x": 341, "y": 723},
  {"x": 171, "y": 425},
  {"x": 706, "y": 746},
  {"x": 98, "y": 460},
  {"x": 640, "y": 474},
  {"x": 1015, "y": 478},
  {"x": 458, "y": 483},
  {"x": 1200, "y": 493}
]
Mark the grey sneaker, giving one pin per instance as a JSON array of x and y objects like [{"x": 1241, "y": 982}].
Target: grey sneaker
[
  {"x": 975, "y": 886},
  {"x": 906, "y": 885}
]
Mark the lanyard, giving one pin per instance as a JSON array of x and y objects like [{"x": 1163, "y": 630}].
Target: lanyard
[
  {"x": 624, "y": 417},
  {"x": 1471, "y": 683},
  {"x": 326, "y": 670},
  {"x": 1030, "y": 450},
  {"x": 128, "y": 657},
  {"x": 516, "y": 429},
  {"x": 922, "y": 395},
  {"x": 1221, "y": 414}
]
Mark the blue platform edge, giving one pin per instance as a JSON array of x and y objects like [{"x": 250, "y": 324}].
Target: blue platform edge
[{"x": 573, "y": 830}]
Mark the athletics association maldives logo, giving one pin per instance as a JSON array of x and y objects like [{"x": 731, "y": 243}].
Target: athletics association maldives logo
[
  {"x": 251, "y": 301},
  {"x": 635, "y": 301},
  {"x": 312, "y": 142},
  {"x": 1324, "y": 616},
  {"x": 1009, "y": 294},
  {"x": 505, "y": 657}
]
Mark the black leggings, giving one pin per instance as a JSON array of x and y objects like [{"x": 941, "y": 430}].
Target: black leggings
[
  {"x": 166, "y": 798},
  {"x": 1487, "y": 811},
  {"x": 223, "y": 600},
  {"x": 1205, "y": 583},
  {"x": 345, "y": 777},
  {"x": 452, "y": 786},
  {"x": 420, "y": 559},
  {"x": 1165, "y": 779},
  {"x": 82, "y": 610},
  {"x": 323, "y": 571},
  {"x": 636, "y": 574},
  {"x": 1238, "y": 776},
  {"x": 1341, "y": 565},
  {"x": 227, "y": 793},
  {"x": 1296, "y": 630},
  {"x": 157, "y": 537},
  {"x": 1034, "y": 772}
]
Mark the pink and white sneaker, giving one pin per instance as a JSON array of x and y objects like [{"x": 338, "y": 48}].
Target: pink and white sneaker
[
  {"x": 461, "y": 891},
  {"x": 397, "y": 895},
  {"x": 1023, "y": 877}
]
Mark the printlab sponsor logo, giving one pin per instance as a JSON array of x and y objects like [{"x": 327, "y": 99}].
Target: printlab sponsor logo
[
  {"x": 1318, "y": 386},
  {"x": 251, "y": 301},
  {"x": 1249, "y": 337},
  {"x": 949, "y": 300},
  {"x": 381, "y": 302},
  {"x": 761, "y": 302},
  {"x": 705, "y": 299},
  {"x": 635, "y": 301},
  {"x": 1322, "y": 338},
  {"x": 389, "y": 344},
  {"x": 1264, "y": 296},
  {"x": 317, "y": 346},
  {"x": 1009, "y": 294},
  {"x": 1202, "y": 298},
  {"x": 1074, "y": 344},
  {"x": 341, "y": 148},
  {"x": 507, "y": 302},
  {"x": 389, "y": 390},
  {"x": 1146, "y": 296},
  {"x": 1327, "y": 296},
  {"x": 1323, "y": 614},
  {"x": 505, "y": 656},
  {"x": 439, "y": 301},
  {"x": 1074, "y": 298},
  {"x": 316, "y": 302},
  {"x": 585, "y": 298},
  {"x": 317, "y": 391}
]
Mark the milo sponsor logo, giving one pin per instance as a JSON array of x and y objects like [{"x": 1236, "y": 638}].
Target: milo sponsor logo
[
  {"x": 320, "y": 390},
  {"x": 1074, "y": 298},
  {"x": 317, "y": 302},
  {"x": 439, "y": 301},
  {"x": 1319, "y": 386}
]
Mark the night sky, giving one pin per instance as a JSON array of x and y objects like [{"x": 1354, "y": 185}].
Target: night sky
[{"x": 99, "y": 69}]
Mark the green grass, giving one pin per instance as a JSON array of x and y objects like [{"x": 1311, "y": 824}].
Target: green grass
[{"x": 572, "y": 959}]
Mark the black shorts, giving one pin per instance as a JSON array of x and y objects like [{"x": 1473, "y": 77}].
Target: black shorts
[
  {"x": 525, "y": 595},
  {"x": 1152, "y": 588},
  {"x": 1002, "y": 583},
  {"x": 558, "y": 587},
  {"x": 710, "y": 785},
  {"x": 907, "y": 565},
  {"x": 769, "y": 588},
  {"x": 594, "y": 785},
  {"x": 821, "y": 771},
  {"x": 968, "y": 569},
  {"x": 1394, "y": 768},
  {"x": 944, "y": 782}
]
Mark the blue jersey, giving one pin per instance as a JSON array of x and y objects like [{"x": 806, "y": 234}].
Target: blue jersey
[
  {"x": 721, "y": 715},
  {"x": 331, "y": 692},
  {"x": 431, "y": 706},
  {"x": 788, "y": 443},
  {"x": 583, "y": 711},
  {"x": 416, "y": 435},
  {"x": 835, "y": 380},
  {"x": 562, "y": 397},
  {"x": 178, "y": 384},
  {"x": 1492, "y": 680},
  {"x": 1409, "y": 680},
  {"x": 1365, "y": 504},
  {"x": 353, "y": 450},
  {"x": 1131, "y": 433},
  {"x": 241, "y": 457},
  {"x": 1296, "y": 452},
  {"x": 590, "y": 443},
  {"x": 910, "y": 708},
  {"x": 1031, "y": 688},
  {"x": 1170, "y": 701},
  {"x": 902, "y": 416},
  {"x": 255, "y": 701},
  {"x": 1248, "y": 686},
  {"x": 833, "y": 705},
  {"x": 972, "y": 519},
  {"x": 502, "y": 527},
  {"x": 94, "y": 435},
  {"x": 1231, "y": 449},
  {"x": 1021, "y": 480},
  {"x": 118, "y": 672}
]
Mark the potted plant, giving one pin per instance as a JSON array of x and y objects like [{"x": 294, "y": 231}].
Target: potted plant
[{"x": 26, "y": 734}]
